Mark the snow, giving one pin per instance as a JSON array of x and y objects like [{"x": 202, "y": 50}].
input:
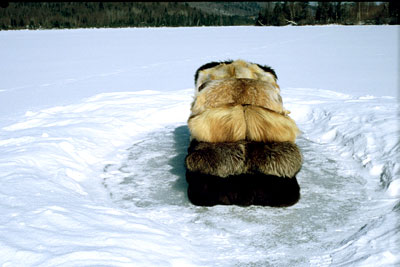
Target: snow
[{"x": 93, "y": 137}]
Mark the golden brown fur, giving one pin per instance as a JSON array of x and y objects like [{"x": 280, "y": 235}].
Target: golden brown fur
[
  {"x": 237, "y": 69},
  {"x": 235, "y": 123},
  {"x": 241, "y": 91},
  {"x": 239, "y": 101}
]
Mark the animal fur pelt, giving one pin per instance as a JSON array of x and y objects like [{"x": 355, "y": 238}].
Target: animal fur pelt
[
  {"x": 242, "y": 149},
  {"x": 281, "y": 159},
  {"x": 242, "y": 190},
  {"x": 239, "y": 101},
  {"x": 234, "y": 69},
  {"x": 243, "y": 173}
]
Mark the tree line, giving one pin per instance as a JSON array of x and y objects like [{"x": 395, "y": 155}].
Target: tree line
[
  {"x": 344, "y": 13},
  {"x": 48, "y": 15}
]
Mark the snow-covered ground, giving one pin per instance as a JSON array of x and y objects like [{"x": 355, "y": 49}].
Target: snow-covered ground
[{"x": 93, "y": 137}]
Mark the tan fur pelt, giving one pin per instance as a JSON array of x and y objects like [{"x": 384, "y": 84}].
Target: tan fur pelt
[
  {"x": 238, "y": 92},
  {"x": 235, "y": 123},
  {"x": 282, "y": 159},
  {"x": 237, "y": 69},
  {"x": 239, "y": 101}
]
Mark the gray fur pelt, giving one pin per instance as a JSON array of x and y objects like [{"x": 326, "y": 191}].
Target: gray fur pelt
[{"x": 282, "y": 159}]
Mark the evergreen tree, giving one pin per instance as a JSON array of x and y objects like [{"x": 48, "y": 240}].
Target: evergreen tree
[
  {"x": 305, "y": 16},
  {"x": 266, "y": 17},
  {"x": 338, "y": 13},
  {"x": 278, "y": 18},
  {"x": 394, "y": 12},
  {"x": 323, "y": 12}
]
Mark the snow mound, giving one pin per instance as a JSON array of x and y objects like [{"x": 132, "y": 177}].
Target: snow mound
[{"x": 102, "y": 182}]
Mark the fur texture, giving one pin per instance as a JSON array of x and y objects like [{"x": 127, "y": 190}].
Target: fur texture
[
  {"x": 238, "y": 91},
  {"x": 234, "y": 69},
  {"x": 281, "y": 159},
  {"x": 242, "y": 190},
  {"x": 209, "y": 66},
  {"x": 242, "y": 149},
  {"x": 239, "y": 101},
  {"x": 214, "y": 64},
  {"x": 235, "y": 123}
]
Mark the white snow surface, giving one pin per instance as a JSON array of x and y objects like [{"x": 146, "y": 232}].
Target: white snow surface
[{"x": 93, "y": 138}]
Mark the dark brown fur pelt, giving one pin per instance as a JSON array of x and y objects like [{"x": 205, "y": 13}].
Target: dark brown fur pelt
[
  {"x": 221, "y": 159},
  {"x": 242, "y": 190},
  {"x": 281, "y": 159}
]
